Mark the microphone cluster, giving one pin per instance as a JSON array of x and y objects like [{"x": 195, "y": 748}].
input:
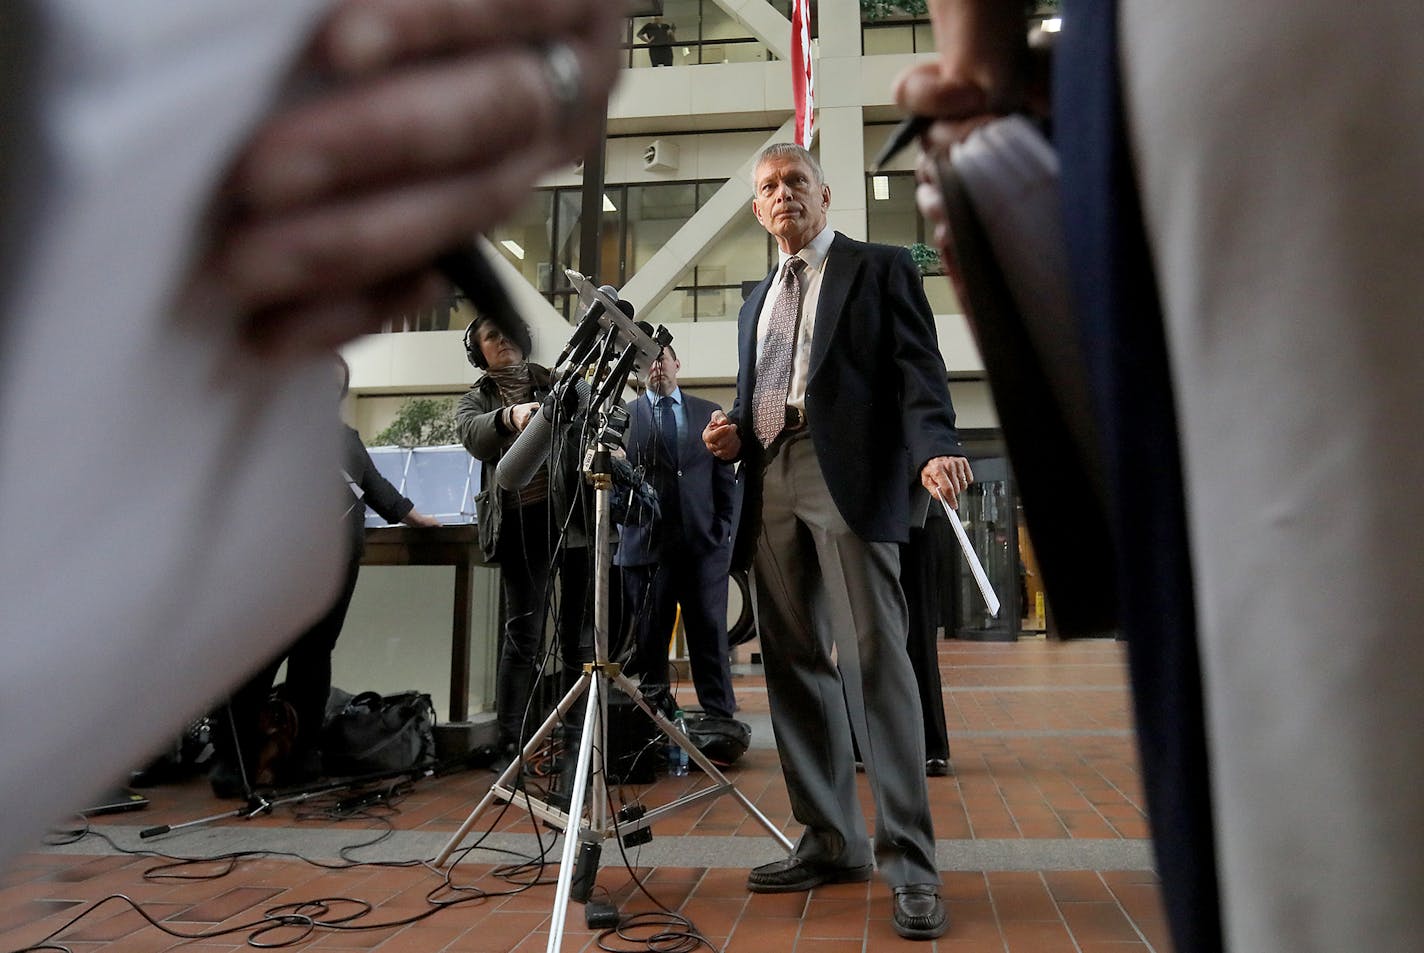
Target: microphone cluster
[
  {"x": 529, "y": 451},
  {"x": 605, "y": 327}
]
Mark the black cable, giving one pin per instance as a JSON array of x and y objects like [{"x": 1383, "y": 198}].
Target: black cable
[{"x": 667, "y": 930}]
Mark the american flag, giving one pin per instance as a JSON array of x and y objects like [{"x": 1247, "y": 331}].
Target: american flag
[{"x": 803, "y": 81}]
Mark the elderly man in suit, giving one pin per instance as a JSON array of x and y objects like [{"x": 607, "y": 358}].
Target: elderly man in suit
[
  {"x": 841, "y": 395},
  {"x": 684, "y": 556}
]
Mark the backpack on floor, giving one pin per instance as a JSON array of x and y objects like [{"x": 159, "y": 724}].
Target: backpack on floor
[{"x": 374, "y": 733}]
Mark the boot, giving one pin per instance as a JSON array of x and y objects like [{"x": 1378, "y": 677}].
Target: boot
[{"x": 514, "y": 685}]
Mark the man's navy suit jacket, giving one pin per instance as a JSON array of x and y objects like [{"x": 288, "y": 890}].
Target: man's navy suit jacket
[
  {"x": 707, "y": 490},
  {"x": 877, "y": 401}
]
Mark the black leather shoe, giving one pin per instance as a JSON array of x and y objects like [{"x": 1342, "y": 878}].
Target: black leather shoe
[
  {"x": 794, "y": 875},
  {"x": 938, "y": 768},
  {"x": 919, "y": 912},
  {"x": 508, "y": 752},
  {"x": 227, "y": 782}
]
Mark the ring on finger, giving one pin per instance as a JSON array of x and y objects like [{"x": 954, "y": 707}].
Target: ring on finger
[{"x": 565, "y": 78}]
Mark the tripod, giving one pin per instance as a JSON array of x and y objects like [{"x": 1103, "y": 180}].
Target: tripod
[
  {"x": 262, "y": 802},
  {"x": 584, "y": 832}
]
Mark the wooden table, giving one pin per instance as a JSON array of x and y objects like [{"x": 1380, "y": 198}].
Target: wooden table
[{"x": 457, "y": 546}]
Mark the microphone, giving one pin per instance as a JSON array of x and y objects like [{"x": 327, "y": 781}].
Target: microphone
[
  {"x": 588, "y": 327},
  {"x": 530, "y": 449},
  {"x": 586, "y": 353},
  {"x": 621, "y": 323},
  {"x": 618, "y": 378},
  {"x": 466, "y": 268}
]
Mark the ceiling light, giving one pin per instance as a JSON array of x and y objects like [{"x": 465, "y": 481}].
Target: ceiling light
[
  {"x": 880, "y": 187},
  {"x": 1052, "y": 25},
  {"x": 608, "y": 205},
  {"x": 513, "y": 248}
]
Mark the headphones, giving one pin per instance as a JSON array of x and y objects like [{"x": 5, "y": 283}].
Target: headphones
[
  {"x": 473, "y": 354},
  {"x": 476, "y": 357}
]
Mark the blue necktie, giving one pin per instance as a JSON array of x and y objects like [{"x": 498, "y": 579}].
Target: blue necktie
[{"x": 667, "y": 427}]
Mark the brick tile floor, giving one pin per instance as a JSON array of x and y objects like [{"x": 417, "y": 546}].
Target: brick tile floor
[{"x": 1046, "y": 781}]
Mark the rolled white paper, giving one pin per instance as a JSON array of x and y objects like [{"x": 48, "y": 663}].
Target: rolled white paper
[{"x": 976, "y": 567}]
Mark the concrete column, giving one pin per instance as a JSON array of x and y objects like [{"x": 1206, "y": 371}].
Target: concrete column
[{"x": 842, "y": 156}]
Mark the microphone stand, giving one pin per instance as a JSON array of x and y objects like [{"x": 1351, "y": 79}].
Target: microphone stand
[{"x": 587, "y": 824}]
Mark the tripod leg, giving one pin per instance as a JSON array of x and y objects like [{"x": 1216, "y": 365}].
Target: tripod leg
[
  {"x": 509, "y": 773},
  {"x": 712, "y": 771},
  {"x": 596, "y": 689}
]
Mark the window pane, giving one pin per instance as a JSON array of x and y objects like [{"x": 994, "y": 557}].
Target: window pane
[
  {"x": 719, "y": 304},
  {"x": 924, "y": 38},
  {"x": 655, "y": 213},
  {"x": 887, "y": 39},
  {"x": 669, "y": 310},
  {"x": 744, "y": 53},
  {"x": 524, "y": 239},
  {"x": 739, "y": 255},
  {"x": 717, "y": 24},
  {"x": 941, "y": 294},
  {"x": 566, "y": 242},
  {"x": 893, "y": 220}
]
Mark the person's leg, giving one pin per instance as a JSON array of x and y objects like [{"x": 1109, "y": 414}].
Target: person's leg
[
  {"x": 808, "y": 710},
  {"x": 917, "y": 578},
  {"x": 653, "y": 606},
  {"x": 308, "y": 682},
  {"x": 1279, "y": 148},
  {"x": 574, "y": 629},
  {"x": 524, "y": 573},
  {"x": 1115, "y": 295},
  {"x": 702, "y": 592},
  {"x": 860, "y": 602},
  {"x": 237, "y": 736}
]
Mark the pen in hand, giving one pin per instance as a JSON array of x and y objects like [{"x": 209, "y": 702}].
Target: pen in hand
[{"x": 907, "y": 132}]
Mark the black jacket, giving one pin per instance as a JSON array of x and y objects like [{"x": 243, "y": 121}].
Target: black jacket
[
  {"x": 877, "y": 401},
  {"x": 376, "y": 492}
]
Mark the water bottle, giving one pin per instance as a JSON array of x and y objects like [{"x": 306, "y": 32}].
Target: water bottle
[{"x": 676, "y": 756}]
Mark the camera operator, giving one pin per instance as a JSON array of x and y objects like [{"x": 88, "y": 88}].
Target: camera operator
[{"x": 525, "y": 529}]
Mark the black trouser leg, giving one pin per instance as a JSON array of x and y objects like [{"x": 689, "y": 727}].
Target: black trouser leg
[
  {"x": 917, "y": 578},
  {"x": 308, "y": 684},
  {"x": 524, "y": 573}
]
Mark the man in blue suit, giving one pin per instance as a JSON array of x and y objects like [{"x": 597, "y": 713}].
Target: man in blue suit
[
  {"x": 841, "y": 396},
  {"x": 683, "y": 557}
]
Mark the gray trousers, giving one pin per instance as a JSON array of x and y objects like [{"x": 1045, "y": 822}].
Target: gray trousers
[{"x": 817, "y": 588}]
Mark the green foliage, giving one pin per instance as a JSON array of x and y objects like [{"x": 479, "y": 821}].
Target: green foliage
[
  {"x": 421, "y": 422},
  {"x": 925, "y": 257},
  {"x": 879, "y": 9}
]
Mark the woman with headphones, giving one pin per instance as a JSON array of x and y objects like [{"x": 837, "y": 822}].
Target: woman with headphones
[{"x": 530, "y": 532}]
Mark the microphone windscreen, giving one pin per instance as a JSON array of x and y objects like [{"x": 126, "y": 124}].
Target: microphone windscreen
[
  {"x": 528, "y": 452},
  {"x": 530, "y": 449},
  {"x": 584, "y": 393}
]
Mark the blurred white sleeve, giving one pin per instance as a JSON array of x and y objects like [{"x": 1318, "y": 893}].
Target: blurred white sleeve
[{"x": 168, "y": 507}]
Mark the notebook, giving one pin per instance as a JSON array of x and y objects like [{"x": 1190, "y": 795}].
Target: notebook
[
  {"x": 114, "y": 801},
  {"x": 1000, "y": 190}
]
